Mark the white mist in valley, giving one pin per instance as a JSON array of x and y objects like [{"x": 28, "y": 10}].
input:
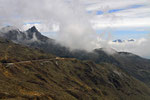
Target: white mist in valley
[{"x": 140, "y": 46}]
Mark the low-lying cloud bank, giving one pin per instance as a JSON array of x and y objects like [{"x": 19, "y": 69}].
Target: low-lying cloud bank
[{"x": 140, "y": 46}]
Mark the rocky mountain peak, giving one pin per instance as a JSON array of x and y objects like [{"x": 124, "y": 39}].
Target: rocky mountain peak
[{"x": 33, "y": 29}]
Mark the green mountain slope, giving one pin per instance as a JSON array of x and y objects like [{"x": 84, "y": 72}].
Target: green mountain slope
[
  {"x": 10, "y": 52},
  {"x": 28, "y": 74},
  {"x": 135, "y": 66}
]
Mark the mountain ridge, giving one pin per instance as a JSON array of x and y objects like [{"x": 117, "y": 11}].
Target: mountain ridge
[
  {"x": 30, "y": 74},
  {"x": 123, "y": 41},
  {"x": 137, "y": 67}
]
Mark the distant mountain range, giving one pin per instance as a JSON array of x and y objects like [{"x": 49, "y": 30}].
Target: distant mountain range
[
  {"x": 134, "y": 65},
  {"x": 123, "y": 41}
]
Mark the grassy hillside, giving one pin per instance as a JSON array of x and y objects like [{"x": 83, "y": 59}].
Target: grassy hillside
[
  {"x": 11, "y": 52},
  {"x": 68, "y": 79},
  {"x": 28, "y": 74},
  {"x": 135, "y": 66}
]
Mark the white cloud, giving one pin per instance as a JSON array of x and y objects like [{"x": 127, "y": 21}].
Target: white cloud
[
  {"x": 100, "y": 22},
  {"x": 140, "y": 46},
  {"x": 133, "y": 17},
  {"x": 95, "y": 5}
]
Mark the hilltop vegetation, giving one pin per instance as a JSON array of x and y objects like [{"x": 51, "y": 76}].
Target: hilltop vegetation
[{"x": 11, "y": 52}]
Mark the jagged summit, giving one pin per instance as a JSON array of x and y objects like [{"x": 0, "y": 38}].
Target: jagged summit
[
  {"x": 14, "y": 34},
  {"x": 33, "y": 29},
  {"x": 33, "y": 33},
  {"x": 118, "y": 41}
]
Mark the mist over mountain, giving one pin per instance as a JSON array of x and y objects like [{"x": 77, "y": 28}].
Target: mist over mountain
[
  {"x": 28, "y": 74},
  {"x": 74, "y": 50},
  {"x": 138, "y": 46},
  {"x": 131, "y": 63}
]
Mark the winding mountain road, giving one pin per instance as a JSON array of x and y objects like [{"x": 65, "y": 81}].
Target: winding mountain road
[{"x": 41, "y": 60}]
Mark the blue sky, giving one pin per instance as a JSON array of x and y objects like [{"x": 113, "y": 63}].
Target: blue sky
[
  {"x": 117, "y": 10},
  {"x": 129, "y": 34},
  {"x": 32, "y": 23},
  {"x": 126, "y": 34},
  {"x": 124, "y": 18}
]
